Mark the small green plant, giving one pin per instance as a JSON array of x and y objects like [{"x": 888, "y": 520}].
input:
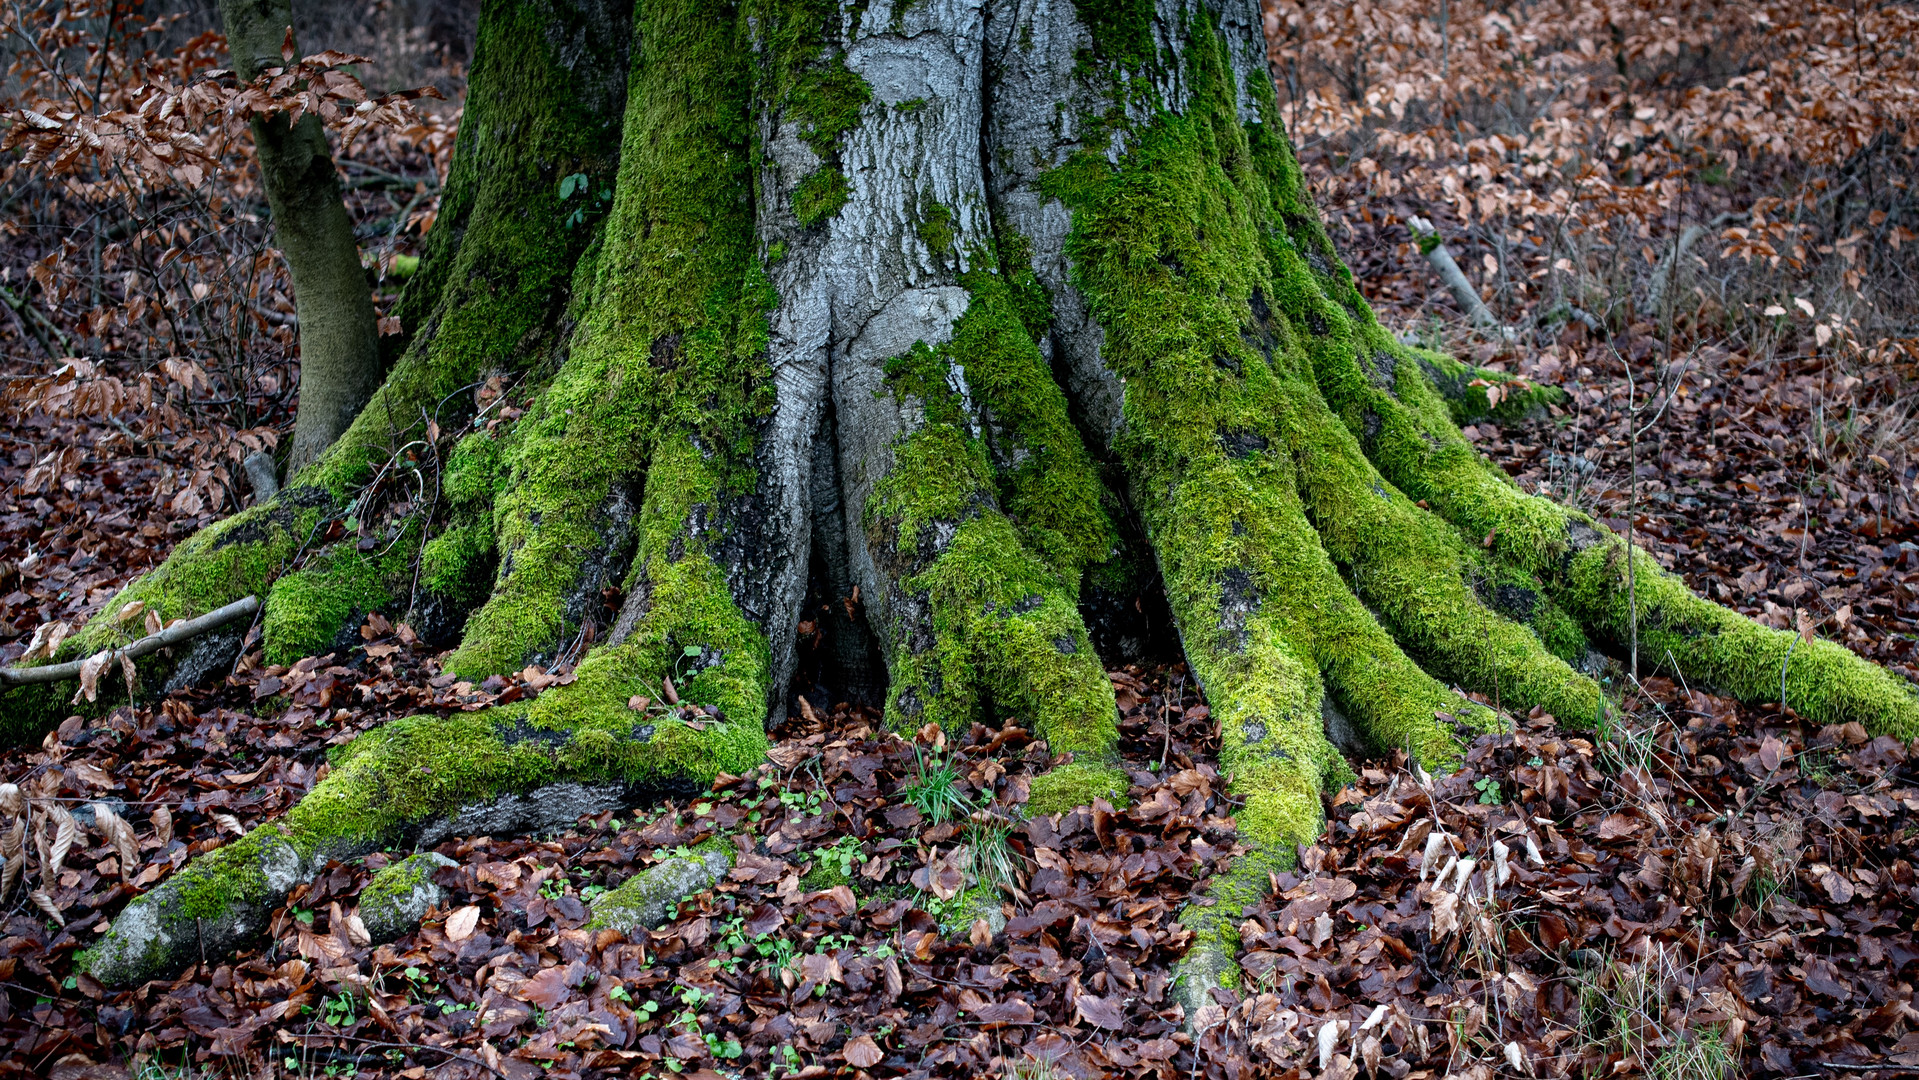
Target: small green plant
[
  {"x": 724, "y": 1049},
  {"x": 810, "y": 803},
  {"x": 779, "y": 953},
  {"x": 1488, "y": 789},
  {"x": 340, "y": 1010},
  {"x": 935, "y": 793},
  {"x": 844, "y": 856},
  {"x": 577, "y": 185}
]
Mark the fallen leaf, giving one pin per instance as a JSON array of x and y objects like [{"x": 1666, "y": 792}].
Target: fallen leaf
[
  {"x": 460, "y": 924},
  {"x": 862, "y": 1052}
]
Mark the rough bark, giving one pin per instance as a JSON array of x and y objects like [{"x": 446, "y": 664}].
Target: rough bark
[
  {"x": 932, "y": 305},
  {"x": 339, "y": 342}
]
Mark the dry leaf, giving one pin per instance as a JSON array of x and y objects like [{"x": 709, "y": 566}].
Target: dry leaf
[
  {"x": 45, "y": 903},
  {"x": 162, "y": 820},
  {"x": 65, "y": 832},
  {"x": 460, "y": 924},
  {"x": 863, "y": 1053},
  {"x": 115, "y": 830},
  {"x": 90, "y": 670}
]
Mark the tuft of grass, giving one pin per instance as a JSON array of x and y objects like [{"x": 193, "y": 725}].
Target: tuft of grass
[
  {"x": 1622, "y": 1007},
  {"x": 1029, "y": 1069},
  {"x": 935, "y": 792},
  {"x": 994, "y": 862},
  {"x": 1699, "y": 1055}
]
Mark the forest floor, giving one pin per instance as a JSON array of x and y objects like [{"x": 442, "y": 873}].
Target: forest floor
[{"x": 1706, "y": 886}]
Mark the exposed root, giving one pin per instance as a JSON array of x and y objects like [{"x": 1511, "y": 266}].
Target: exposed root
[
  {"x": 522, "y": 768},
  {"x": 652, "y": 896}
]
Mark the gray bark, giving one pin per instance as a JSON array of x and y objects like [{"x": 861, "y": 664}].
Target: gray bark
[{"x": 339, "y": 339}]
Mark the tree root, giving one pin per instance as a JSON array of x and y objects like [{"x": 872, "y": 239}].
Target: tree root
[{"x": 990, "y": 368}]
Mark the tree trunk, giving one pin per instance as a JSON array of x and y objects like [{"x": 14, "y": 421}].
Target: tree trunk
[
  {"x": 971, "y": 319},
  {"x": 339, "y": 343}
]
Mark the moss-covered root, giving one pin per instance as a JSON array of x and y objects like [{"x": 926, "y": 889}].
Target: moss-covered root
[
  {"x": 1581, "y": 566},
  {"x": 1445, "y": 603},
  {"x": 976, "y": 606},
  {"x": 670, "y": 359},
  {"x": 400, "y": 894},
  {"x": 650, "y": 898},
  {"x": 239, "y": 556},
  {"x": 1821, "y": 680},
  {"x": 521, "y": 769},
  {"x": 1475, "y": 393},
  {"x": 1209, "y": 963}
]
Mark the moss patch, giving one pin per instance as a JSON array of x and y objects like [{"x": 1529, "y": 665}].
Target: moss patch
[
  {"x": 989, "y": 515},
  {"x": 307, "y": 610},
  {"x": 1074, "y": 784},
  {"x": 670, "y": 356}
]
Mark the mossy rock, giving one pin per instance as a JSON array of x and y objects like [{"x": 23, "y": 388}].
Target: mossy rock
[
  {"x": 394, "y": 902},
  {"x": 648, "y": 899}
]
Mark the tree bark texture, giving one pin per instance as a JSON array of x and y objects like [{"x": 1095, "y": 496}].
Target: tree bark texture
[
  {"x": 339, "y": 341},
  {"x": 975, "y": 318}
]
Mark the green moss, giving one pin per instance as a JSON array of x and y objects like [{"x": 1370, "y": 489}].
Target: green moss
[
  {"x": 456, "y": 563},
  {"x": 824, "y": 875},
  {"x": 400, "y": 893},
  {"x": 802, "y": 74},
  {"x": 473, "y": 470},
  {"x": 396, "y": 881},
  {"x": 1122, "y": 31},
  {"x": 307, "y": 609},
  {"x": 986, "y": 529},
  {"x": 821, "y": 195},
  {"x": 1077, "y": 783},
  {"x": 209, "y": 886},
  {"x": 649, "y": 898},
  {"x": 670, "y": 355},
  {"x": 977, "y": 902},
  {"x": 935, "y": 228}
]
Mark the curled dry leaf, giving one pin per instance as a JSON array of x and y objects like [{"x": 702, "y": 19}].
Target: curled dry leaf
[
  {"x": 45, "y": 903},
  {"x": 90, "y": 670},
  {"x": 115, "y": 830},
  {"x": 460, "y": 924},
  {"x": 162, "y": 821},
  {"x": 65, "y": 831}
]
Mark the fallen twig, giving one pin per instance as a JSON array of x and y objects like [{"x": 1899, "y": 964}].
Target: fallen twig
[{"x": 172, "y": 635}]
